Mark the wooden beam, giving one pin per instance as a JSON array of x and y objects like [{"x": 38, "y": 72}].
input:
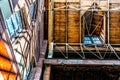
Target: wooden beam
[
  {"x": 104, "y": 25},
  {"x": 50, "y": 26},
  {"x": 39, "y": 65},
  {"x": 80, "y": 62},
  {"x": 47, "y": 72}
]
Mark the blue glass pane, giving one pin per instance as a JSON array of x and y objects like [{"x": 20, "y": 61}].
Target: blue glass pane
[
  {"x": 87, "y": 39},
  {"x": 15, "y": 22},
  {"x": 10, "y": 26},
  {"x": 95, "y": 38},
  {"x": 92, "y": 40},
  {"x": 18, "y": 18},
  {"x": 97, "y": 42},
  {"x": 31, "y": 9},
  {"x": 87, "y": 42}
]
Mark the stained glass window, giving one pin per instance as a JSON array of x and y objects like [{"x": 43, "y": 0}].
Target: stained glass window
[{"x": 14, "y": 24}]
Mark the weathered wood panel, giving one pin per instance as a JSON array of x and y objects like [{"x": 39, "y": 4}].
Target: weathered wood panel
[
  {"x": 114, "y": 27},
  {"x": 59, "y": 26},
  {"x": 73, "y": 27},
  {"x": 114, "y": 22},
  {"x": 66, "y": 24}
]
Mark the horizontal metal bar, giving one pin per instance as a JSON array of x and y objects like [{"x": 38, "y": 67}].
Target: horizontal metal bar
[
  {"x": 76, "y": 44},
  {"x": 87, "y": 52},
  {"x": 81, "y": 62},
  {"x": 82, "y": 10},
  {"x": 115, "y": 44}
]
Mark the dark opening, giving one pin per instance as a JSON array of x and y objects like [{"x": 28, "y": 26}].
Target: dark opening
[
  {"x": 83, "y": 73},
  {"x": 93, "y": 26}
]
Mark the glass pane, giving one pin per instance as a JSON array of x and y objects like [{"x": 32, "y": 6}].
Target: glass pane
[
  {"x": 15, "y": 22},
  {"x": 18, "y": 17},
  {"x": 10, "y": 26},
  {"x": 31, "y": 9},
  {"x": 87, "y": 40}
]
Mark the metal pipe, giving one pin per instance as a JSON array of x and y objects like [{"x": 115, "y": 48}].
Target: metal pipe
[
  {"x": 82, "y": 44},
  {"x": 105, "y": 52},
  {"x": 80, "y": 25},
  {"x": 79, "y": 44},
  {"x": 61, "y": 51},
  {"x": 83, "y": 10},
  {"x": 92, "y": 52},
  {"x": 112, "y": 49},
  {"x": 98, "y": 52},
  {"x": 66, "y": 30},
  {"x": 76, "y": 51},
  {"x": 82, "y": 50},
  {"x": 108, "y": 20}
]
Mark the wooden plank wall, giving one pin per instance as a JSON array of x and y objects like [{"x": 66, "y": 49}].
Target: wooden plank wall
[
  {"x": 59, "y": 24},
  {"x": 71, "y": 19},
  {"x": 66, "y": 19},
  {"x": 114, "y": 24},
  {"x": 73, "y": 27},
  {"x": 115, "y": 27}
]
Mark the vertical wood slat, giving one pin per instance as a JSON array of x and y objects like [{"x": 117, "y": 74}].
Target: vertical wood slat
[{"x": 47, "y": 72}]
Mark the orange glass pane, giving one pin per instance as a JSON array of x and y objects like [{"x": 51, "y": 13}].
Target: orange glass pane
[
  {"x": 6, "y": 64},
  {"x": 8, "y": 76},
  {"x": 3, "y": 50}
]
